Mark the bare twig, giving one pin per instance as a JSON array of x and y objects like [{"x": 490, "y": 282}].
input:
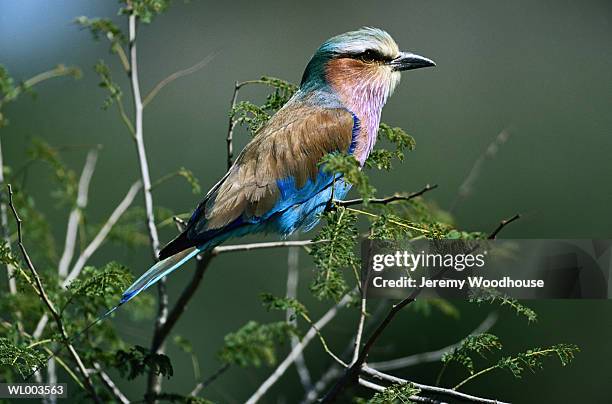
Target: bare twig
[
  {"x": 258, "y": 246},
  {"x": 387, "y": 200},
  {"x": 293, "y": 276},
  {"x": 76, "y": 213},
  {"x": 431, "y": 389},
  {"x": 58, "y": 71},
  {"x": 203, "y": 384},
  {"x": 501, "y": 225},
  {"x": 43, "y": 296},
  {"x": 432, "y": 356},
  {"x": 10, "y": 270},
  {"x": 359, "y": 334},
  {"x": 110, "y": 385},
  {"x": 174, "y": 76},
  {"x": 93, "y": 246},
  {"x": 312, "y": 332},
  {"x": 468, "y": 184}
]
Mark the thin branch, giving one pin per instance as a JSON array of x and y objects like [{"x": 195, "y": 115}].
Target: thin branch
[
  {"x": 258, "y": 246},
  {"x": 432, "y": 356},
  {"x": 154, "y": 381},
  {"x": 43, "y": 296},
  {"x": 501, "y": 225},
  {"x": 232, "y": 122},
  {"x": 76, "y": 213},
  {"x": 196, "y": 390},
  {"x": 389, "y": 199},
  {"x": 359, "y": 334},
  {"x": 176, "y": 75},
  {"x": 467, "y": 185},
  {"x": 431, "y": 389},
  {"x": 110, "y": 385},
  {"x": 58, "y": 71},
  {"x": 293, "y": 277},
  {"x": 312, "y": 332},
  {"x": 10, "y": 270}
]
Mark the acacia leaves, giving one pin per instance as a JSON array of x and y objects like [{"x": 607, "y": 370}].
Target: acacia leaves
[
  {"x": 335, "y": 253},
  {"x": 255, "y": 343},
  {"x": 20, "y": 357}
]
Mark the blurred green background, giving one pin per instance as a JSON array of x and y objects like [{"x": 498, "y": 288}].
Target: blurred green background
[{"x": 542, "y": 70}]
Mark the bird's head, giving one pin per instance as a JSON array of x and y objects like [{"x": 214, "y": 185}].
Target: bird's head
[{"x": 363, "y": 63}]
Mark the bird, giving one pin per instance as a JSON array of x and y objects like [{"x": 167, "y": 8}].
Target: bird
[{"x": 276, "y": 184}]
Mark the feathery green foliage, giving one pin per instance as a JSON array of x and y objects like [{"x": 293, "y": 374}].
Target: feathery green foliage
[
  {"x": 19, "y": 357},
  {"x": 532, "y": 359},
  {"x": 272, "y": 302},
  {"x": 145, "y": 10},
  {"x": 255, "y": 343},
  {"x": 335, "y": 254},
  {"x": 395, "y": 394},
  {"x": 254, "y": 116},
  {"x": 350, "y": 171},
  {"x": 102, "y": 27},
  {"x": 106, "y": 82},
  {"x": 480, "y": 344},
  {"x": 492, "y": 296}
]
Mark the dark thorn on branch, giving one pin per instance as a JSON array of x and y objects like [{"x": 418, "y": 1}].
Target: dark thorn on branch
[
  {"x": 384, "y": 201},
  {"x": 501, "y": 225}
]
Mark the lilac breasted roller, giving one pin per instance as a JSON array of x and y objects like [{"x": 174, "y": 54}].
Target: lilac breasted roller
[{"x": 276, "y": 183}]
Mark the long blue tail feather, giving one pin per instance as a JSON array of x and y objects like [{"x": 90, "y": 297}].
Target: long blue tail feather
[{"x": 158, "y": 271}]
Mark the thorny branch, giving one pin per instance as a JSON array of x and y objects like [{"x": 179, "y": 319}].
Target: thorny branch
[
  {"x": 503, "y": 224},
  {"x": 387, "y": 200}
]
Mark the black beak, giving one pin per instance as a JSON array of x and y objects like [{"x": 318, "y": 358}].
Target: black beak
[{"x": 410, "y": 61}]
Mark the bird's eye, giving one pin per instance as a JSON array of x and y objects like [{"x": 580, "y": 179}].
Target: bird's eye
[{"x": 369, "y": 56}]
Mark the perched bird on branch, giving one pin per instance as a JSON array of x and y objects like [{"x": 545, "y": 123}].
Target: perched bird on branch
[{"x": 276, "y": 184}]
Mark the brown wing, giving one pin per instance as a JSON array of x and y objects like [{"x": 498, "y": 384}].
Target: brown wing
[{"x": 291, "y": 144}]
